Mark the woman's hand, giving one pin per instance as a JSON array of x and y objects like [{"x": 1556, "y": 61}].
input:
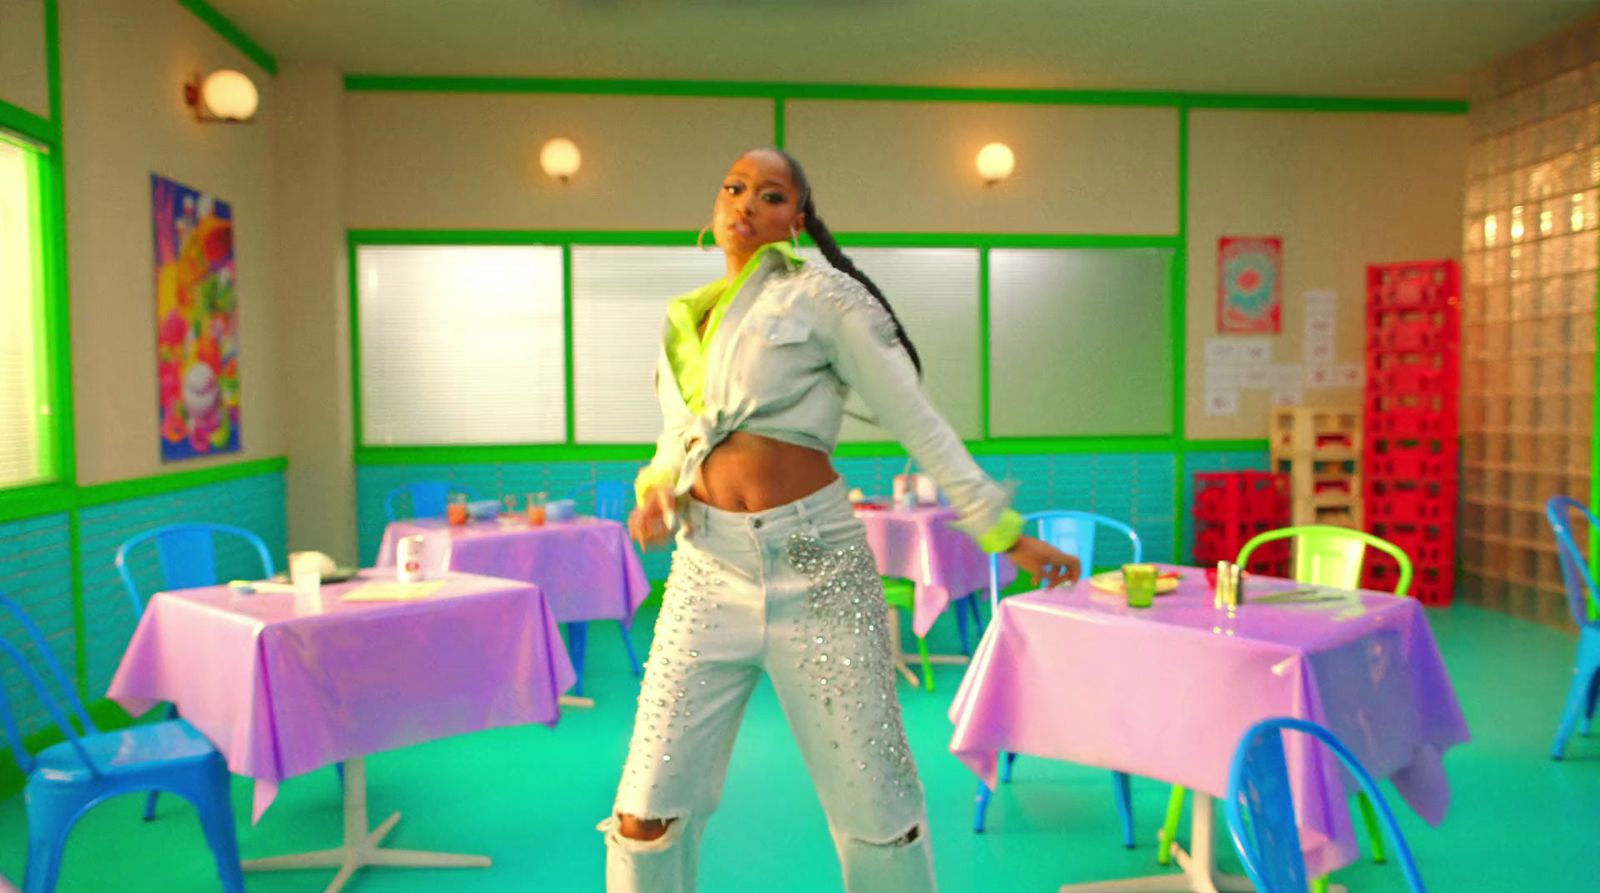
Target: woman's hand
[
  {"x": 649, "y": 524},
  {"x": 1048, "y": 565}
]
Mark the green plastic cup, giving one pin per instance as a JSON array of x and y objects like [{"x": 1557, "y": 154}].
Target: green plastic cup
[{"x": 1139, "y": 580}]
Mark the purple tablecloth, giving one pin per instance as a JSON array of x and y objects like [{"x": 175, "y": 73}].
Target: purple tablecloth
[
  {"x": 587, "y": 567},
  {"x": 920, "y": 545},
  {"x": 282, "y": 691},
  {"x": 1167, "y": 692}
]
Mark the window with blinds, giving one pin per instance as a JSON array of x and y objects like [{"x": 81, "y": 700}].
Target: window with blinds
[
  {"x": 934, "y": 292},
  {"x": 619, "y": 303},
  {"x": 1080, "y": 342},
  {"x": 461, "y": 345},
  {"x": 25, "y": 433}
]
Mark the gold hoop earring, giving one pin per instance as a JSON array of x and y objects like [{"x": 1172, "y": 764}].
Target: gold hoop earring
[{"x": 700, "y": 241}]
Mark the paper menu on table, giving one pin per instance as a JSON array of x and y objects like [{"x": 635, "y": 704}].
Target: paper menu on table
[{"x": 393, "y": 592}]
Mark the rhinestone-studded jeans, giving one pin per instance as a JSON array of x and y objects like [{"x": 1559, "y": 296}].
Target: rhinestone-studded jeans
[{"x": 793, "y": 591}]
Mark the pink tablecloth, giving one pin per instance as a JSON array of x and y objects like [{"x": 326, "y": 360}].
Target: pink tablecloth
[
  {"x": 920, "y": 545},
  {"x": 1167, "y": 692},
  {"x": 282, "y": 691},
  {"x": 587, "y": 567}
]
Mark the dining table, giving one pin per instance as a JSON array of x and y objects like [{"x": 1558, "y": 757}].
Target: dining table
[
  {"x": 917, "y": 543},
  {"x": 285, "y": 682},
  {"x": 587, "y": 567},
  {"x": 1167, "y": 691}
]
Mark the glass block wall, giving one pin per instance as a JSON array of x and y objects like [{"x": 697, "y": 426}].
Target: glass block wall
[{"x": 1528, "y": 315}]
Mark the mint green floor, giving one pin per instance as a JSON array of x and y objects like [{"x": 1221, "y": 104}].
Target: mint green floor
[{"x": 530, "y": 797}]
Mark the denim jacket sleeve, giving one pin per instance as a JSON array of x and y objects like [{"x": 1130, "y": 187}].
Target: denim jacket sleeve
[
  {"x": 670, "y": 448},
  {"x": 859, "y": 337}
]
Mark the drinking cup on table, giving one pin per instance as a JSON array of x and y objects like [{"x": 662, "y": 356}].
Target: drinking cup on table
[
  {"x": 305, "y": 572},
  {"x": 1139, "y": 580},
  {"x": 456, "y": 509},
  {"x": 536, "y": 509},
  {"x": 408, "y": 558}
]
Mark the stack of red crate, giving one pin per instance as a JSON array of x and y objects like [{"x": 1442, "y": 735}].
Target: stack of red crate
[
  {"x": 1411, "y": 454},
  {"x": 1231, "y": 507}
]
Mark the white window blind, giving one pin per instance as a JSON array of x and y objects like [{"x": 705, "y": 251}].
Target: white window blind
[
  {"x": 619, "y": 304},
  {"x": 934, "y": 291},
  {"x": 1079, "y": 342},
  {"x": 23, "y": 429},
  {"x": 461, "y": 345}
]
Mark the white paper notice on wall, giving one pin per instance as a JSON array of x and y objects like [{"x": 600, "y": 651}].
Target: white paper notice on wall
[
  {"x": 1287, "y": 396},
  {"x": 1254, "y": 352},
  {"x": 1222, "y": 351},
  {"x": 1256, "y": 378},
  {"x": 1224, "y": 378},
  {"x": 1284, "y": 376},
  {"x": 1222, "y": 402},
  {"x": 1321, "y": 302},
  {"x": 1320, "y": 377},
  {"x": 1319, "y": 352},
  {"x": 1349, "y": 375}
]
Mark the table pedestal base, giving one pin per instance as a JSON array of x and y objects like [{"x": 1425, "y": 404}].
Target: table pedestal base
[
  {"x": 576, "y": 701},
  {"x": 1199, "y": 864},
  {"x": 902, "y": 660},
  {"x": 361, "y": 845}
]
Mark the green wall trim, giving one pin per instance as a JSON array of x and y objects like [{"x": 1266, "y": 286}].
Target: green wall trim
[
  {"x": 33, "y": 500},
  {"x": 901, "y": 93},
  {"x": 641, "y": 452},
  {"x": 157, "y": 484},
  {"x": 356, "y": 412},
  {"x": 685, "y": 238},
  {"x": 1178, "y": 323},
  {"x": 359, "y": 237},
  {"x": 511, "y": 452},
  {"x": 232, "y": 33},
  {"x": 779, "y": 124},
  {"x": 26, "y": 124}
]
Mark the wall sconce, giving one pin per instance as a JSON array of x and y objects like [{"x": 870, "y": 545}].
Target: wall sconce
[
  {"x": 560, "y": 158},
  {"x": 224, "y": 96},
  {"x": 995, "y": 163}
]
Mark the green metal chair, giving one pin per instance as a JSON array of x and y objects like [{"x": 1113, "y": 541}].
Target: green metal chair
[
  {"x": 1323, "y": 556},
  {"x": 901, "y": 594}
]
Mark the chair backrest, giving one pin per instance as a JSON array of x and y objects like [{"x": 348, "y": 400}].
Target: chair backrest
[
  {"x": 1260, "y": 807},
  {"x": 1582, "y": 598},
  {"x": 51, "y": 692},
  {"x": 610, "y": 498},
  {"x": 1073, "y": 533},
  {"x": 429, "y": 499},
  {"x": 188, "y": 554},
  {"x": 1331, "y": 556}
]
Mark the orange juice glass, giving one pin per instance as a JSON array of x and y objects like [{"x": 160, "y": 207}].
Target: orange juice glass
[{"x": 456, "y": 509}]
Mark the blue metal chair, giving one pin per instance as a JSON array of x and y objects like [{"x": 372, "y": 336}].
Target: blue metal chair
[
  {"x": 188, "y": 554},
  {"x": 429, "y": 499},
  {"x": 68, "y": 779},
  {"x": 1074, "y": 533},
  {"x": 609, "y": 501},
  {"x": 1260, "y": 808},
  {"x": 1584, "y": 601}
]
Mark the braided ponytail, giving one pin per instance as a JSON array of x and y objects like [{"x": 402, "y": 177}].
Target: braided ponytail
[{"x": 819, "y": 233}]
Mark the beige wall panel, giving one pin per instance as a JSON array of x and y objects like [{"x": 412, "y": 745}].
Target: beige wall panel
[
  {"x": 460, "y": 160},
  {"x": 1343, "y": 190},
  {"x": 910, "y": 167},
  {"x": 24, "y": 71},
  {"x": 123, "y": 67},
  {"x": 313, "y": 285}
]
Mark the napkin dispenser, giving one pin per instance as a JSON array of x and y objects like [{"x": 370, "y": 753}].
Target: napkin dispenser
[{"x": 916, "y": 489}]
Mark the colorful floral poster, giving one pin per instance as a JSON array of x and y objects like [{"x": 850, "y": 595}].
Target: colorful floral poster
[
  {"x": 197, "y": 322},
  {"x": 1249, "y": 285}
]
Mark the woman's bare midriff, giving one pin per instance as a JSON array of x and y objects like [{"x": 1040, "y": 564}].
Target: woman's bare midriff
[{"x": 750, "y": 473}]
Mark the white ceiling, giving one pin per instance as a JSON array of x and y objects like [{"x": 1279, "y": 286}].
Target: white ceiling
[{"x": 1316, "y": 47}]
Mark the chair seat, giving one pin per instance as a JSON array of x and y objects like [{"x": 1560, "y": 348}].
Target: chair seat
[
  {"x": 899, "y": 593},
  {"x": 126, "y": 753}
]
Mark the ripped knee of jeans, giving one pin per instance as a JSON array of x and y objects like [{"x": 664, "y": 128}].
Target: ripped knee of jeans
[
  {"x": 910, "y": 837},
  {"x": 639, "y": 834}
]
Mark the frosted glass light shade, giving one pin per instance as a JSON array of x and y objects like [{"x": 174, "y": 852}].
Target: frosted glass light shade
[
  {"x": 229, "y": 95},
  {"x": 560, "y": 158},
  {"x": 996, "y": 162}
]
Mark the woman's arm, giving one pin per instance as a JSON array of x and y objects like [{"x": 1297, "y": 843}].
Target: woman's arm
[{"x": 866, "y": 352}]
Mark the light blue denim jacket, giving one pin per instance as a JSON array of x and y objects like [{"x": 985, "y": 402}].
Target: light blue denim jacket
[{"x": 796, "y": 339}]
